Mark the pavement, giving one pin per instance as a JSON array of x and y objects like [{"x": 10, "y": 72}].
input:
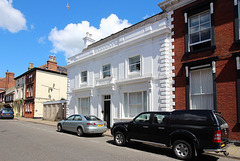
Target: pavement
[{"x": 233, "y": 149}]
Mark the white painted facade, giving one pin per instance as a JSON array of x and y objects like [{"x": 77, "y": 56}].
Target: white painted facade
[
  {"x": 152, "y": 84},
  {"x": 19, "y": 95}
]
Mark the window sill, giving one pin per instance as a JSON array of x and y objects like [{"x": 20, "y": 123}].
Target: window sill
[
  {"x": 212, "y": 48},
  {"x": 134, "y": 74},
  {"x": 237, "y": 42}
]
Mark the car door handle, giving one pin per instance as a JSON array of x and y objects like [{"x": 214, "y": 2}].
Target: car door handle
[
  {"x": 161, "y": 128},
  {"x": 145, "y": 127}
]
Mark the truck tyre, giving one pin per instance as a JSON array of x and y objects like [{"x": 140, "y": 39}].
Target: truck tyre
[
  {"x": 182, "y": 149},
  {"x": 119, "y": 138}
]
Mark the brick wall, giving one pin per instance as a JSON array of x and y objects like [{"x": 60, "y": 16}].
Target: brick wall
[
  {"x": 225, "y": 66},
  {"x": 8, "y": 81}
]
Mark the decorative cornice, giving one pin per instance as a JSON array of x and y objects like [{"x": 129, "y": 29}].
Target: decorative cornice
[
  {"x": 158, "y": 27},
  {"x": 169, "y": 5}
]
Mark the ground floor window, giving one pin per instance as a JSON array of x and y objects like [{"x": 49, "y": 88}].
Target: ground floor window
[
  {"x": 134, "y": 103},
  {"x": 29, "y": 107},
  {"x": 201, "y": 89},
  {"x": 84, "y": 106}
]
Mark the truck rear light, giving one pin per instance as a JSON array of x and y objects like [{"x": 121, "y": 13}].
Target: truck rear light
[{"x": 217, "y": 136}]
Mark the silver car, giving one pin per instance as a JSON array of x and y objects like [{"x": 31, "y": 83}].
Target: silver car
[{"x": 83, "y": 125}]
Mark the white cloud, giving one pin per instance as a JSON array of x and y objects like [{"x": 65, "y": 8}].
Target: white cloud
[
  {"x": 145, "y": 17},
  {"x": 70, "y": 39},
  {"x": 32, "y": 27},
  {"x": 10, "y": 18},
  {"x": 42, "y": 40}
]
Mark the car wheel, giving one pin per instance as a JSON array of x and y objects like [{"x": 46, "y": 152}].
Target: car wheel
[
  {"x": 119, "y": 138},
  {"x": 182, "y": 149},
  {"x": 79, "y": 131},
  {"x": 59, "y": 127}
]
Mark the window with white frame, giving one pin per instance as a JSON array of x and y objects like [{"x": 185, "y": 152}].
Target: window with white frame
[
  {"x": 134, "y": 64},
  {"x": 238, "y": 19},
  {"x": 199, "y": 25},
  {"x": 134, "y": 103},
  {"x": 201, "y": 89},
  {"x": 84, "y": 77},
  {"x": 106, "y": 70},
  {"x": 200, "y": 28},
  {"x": 84, "y": 106}
]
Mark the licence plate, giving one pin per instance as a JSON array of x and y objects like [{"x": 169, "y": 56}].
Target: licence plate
[
  {"x": 223, "y": 145},
  {"x": 100, "y": 125},
  {"x": 7, "y": 114}
]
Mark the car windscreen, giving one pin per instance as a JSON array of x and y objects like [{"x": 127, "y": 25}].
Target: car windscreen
[{"x": 92, "y": 118}]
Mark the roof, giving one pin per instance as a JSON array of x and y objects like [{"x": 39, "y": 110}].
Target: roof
[
  {"x": 60, "y": 71},
  {"x": 149, "y": 20},
  {"x": 59, "y": 68}
]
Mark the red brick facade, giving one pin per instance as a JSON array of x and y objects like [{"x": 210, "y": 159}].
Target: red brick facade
[
  {"x": 226, "y": 72},
  {"x": 29, "y": 103},
  {"x": 8, "y": 81}
]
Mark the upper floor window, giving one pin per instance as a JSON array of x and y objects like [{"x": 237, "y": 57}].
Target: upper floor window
[
  {"x": 30, "y": 78},
  {"x": 84, "y": 77},
  {"x": 237, "y": 19},
  {"x": 134, "y": 64},
  {"x": 199, "y": 28},
  {"x": 199, "y": 25},
  {"x": 30, "y": 91},
  {"x": 106, "y": 70}
]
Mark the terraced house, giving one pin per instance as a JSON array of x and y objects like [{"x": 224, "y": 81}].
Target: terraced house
[
  {"x": 206, "y": 53},
  {"x": 124, "y": 74},
  {"x": 37, "y": 85}
]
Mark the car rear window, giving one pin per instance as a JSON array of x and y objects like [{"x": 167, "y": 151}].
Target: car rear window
[
  {"x": 7, "y": 110},
  {"x": 92, "y": 118}
]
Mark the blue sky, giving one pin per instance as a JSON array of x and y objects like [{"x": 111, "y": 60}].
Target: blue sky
[{"x": 31, "y": 30}]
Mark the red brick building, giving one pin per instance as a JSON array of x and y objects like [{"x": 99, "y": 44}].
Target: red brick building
[
  {"x": 206, "y": 54},
  {"x": 6, "y": 83}
]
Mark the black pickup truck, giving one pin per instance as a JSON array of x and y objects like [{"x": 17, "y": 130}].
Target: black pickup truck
[{"x": 188, "y": 132}]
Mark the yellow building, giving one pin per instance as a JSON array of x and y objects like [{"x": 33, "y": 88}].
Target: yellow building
[{"x": 45, "y": 83}]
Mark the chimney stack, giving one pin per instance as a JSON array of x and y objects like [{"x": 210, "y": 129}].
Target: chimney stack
[
  {"x": 10, "y": 82},
  {"x": 88, "y": 40},
  {"x": 51, "y": 63},
  {"x": 30, "y": 66}
]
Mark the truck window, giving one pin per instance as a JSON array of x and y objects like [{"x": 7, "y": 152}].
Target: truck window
[
  {"x": 159, "y": 119},
  {"x": 221, "y": 120},
  {"x": 143, "y": 118}
]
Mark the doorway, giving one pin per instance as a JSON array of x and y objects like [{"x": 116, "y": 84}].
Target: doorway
[{"x": 107, "y": 105}]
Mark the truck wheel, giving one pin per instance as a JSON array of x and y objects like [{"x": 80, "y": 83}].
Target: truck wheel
[
  {"x": 119, "y": 138},
  {"x": 182, "y": 149}
]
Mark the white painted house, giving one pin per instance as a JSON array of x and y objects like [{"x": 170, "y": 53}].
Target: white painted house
[{"x": 124, "y": 74}]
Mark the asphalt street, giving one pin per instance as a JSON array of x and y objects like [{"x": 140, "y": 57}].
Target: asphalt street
[{"x": 26, "y": 141}]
